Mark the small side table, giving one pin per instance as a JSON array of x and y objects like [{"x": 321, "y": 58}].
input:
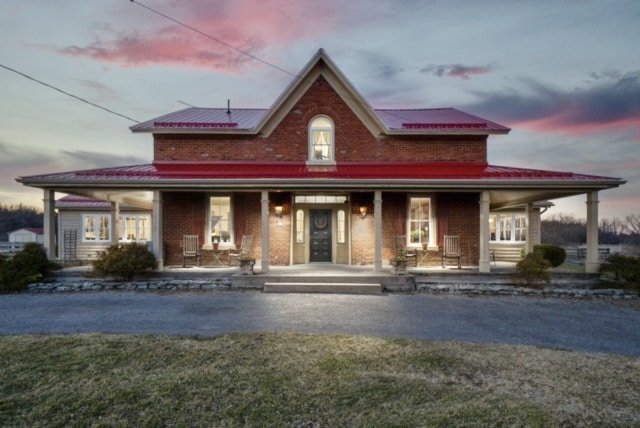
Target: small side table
[{"x": 424, "y": 255}]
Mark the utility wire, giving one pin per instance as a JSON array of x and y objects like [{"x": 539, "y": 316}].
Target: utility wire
[
  {"x": 67, "y": 93},
  {"x": 215, "y": 39}
]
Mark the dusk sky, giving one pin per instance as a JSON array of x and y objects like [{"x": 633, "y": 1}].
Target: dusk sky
[{"x": 565, "y": 76}]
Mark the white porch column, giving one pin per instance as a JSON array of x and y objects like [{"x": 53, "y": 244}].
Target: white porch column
[
  {"x": 156, "y": 232},
  {"x": 484, "y": 264},
  {"x": 592, "y": 263},
  {"x": 377, "y": 217},
  {"x": 265, "y": 231},
  {"x": 49, "y": 242},
  {"x": 115, "y": 222},
  {"x": 531, "y": 222}
]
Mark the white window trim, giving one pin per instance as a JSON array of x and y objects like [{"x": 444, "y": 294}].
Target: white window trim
[
  {"x": 97, "y": 228},
  {"x": 121, "y": 222},
  {"x": 512, "y": 240},
  {"x": 433, "y": 233},
  {"x": 332, "y": 146},
  {"x": 222, "y": 245}
]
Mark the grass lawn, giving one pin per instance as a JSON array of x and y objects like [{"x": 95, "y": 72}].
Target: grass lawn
[{"x": 307, "y": 381}]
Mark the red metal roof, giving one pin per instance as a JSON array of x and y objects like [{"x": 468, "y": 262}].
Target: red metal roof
[
  {"x": 436, "y": 118},
  {"x": 418, "y": 120},
  {"x": 76, "y": 201},
  {"x": 343, "y": 171}
]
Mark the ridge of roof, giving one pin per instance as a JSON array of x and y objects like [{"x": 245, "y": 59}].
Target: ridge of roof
[{"x": 379, "y": 121}]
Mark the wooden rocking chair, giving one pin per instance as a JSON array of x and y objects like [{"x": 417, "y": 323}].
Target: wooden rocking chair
[
  {"x": 191, "y": 248},
  {"x": 451, "y": 250},
  {"x": 245, "y": 248}
]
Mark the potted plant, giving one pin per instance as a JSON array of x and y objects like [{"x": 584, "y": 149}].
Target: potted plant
[
  {"x": 399, "y": 265},
  {"x": 246, "y": 263}
]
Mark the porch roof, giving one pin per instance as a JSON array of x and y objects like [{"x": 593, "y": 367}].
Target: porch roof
[
  {"x": 508, "y": 186},
  {"x": 269, "y": 173}
]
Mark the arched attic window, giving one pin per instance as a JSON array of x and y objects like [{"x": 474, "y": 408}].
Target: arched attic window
[{"x": 321, "y": 140}]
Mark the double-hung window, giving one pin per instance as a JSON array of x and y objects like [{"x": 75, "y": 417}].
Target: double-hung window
[
  {"x": 220, "y": 221},
  {"x": 96, "y": 227},
  {"x": 508, "y": 227},
  {"x": 420, "y": 221},
  {"x": 321, "y": 140},
  {"x": 135, "y": 227}
]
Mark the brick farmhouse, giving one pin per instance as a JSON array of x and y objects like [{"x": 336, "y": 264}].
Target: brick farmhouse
[{"x": 320, "y": 177}]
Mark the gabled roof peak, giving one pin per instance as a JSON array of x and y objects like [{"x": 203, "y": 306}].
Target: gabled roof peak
[{"x": 378, "y": 121}]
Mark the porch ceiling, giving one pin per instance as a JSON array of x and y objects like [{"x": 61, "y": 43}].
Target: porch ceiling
[{"x": 503, "y": 199}]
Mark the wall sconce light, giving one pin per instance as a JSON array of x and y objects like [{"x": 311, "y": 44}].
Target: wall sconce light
[
  {"x": 363, "y": 211},
  {"x": 278, "y": 211}
]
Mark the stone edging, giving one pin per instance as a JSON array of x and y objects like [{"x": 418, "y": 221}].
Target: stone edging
[
  {"x": 224, "y": 283},
  {"x": 72, "y": 285},
  {"x": 506, "y": 290}
]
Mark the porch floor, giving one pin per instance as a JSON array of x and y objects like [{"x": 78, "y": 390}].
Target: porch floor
[
  {"x": 332, "y": 276},
  {"x": 329, "y": 269}
]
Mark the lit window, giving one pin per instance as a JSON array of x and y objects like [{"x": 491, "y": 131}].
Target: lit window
[
  {"x": 419, "y": 221},
  {"x": 96, "y": 227},
  {"x": 508, "y": 227},
  {"x": 220, "y": 224},
  {"x": 299, "y": 226},
  {"x": 341, "y": 227},
  {"x": 321, "y": 139},
  {"x": 135, "y": 227},
  {"x": 320, "y": 199}
]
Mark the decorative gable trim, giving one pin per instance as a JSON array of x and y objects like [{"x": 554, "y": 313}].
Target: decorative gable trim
[{"x": 321, "y": 65}]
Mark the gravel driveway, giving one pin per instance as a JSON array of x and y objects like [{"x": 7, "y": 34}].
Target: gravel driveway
[{"x": 580, "y": 325}]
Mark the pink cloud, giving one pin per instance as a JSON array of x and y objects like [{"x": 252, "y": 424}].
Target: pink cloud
[
  {"x": 608, "y": 106},
  {"x": 463, "y": 72},
  {"x": 566, "y": 124},
  {"x": 457, "y": 71},
  {"x": 248, "y": 25}
]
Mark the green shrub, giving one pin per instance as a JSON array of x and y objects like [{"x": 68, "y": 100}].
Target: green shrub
[
  {"x": 624, "y": 270},
  {"x": 27, "y": 266},
  {"x": 533, "y": 269},
  {"x": 123, "y": 262},
  {"x": 554, "y": 254}
]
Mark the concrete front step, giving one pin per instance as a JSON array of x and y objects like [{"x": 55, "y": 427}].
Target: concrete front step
[{"x": 322, "y": 287}]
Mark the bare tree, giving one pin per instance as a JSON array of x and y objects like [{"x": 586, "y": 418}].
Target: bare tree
[{"x": 633, "y": 223}]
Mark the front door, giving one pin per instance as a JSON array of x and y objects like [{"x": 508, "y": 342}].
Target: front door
[{"x": 320, "y": 231}]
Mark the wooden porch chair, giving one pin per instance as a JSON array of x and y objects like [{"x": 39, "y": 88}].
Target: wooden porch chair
[
  {"x": 401, "y": 250},
  {"x": 191, "y": 248},
  {"x": 451, "y": 249},
  {"x": 245, "y": 248}
]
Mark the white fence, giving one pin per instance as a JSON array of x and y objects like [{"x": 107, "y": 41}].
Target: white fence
[{"x": 10, "y": 248}]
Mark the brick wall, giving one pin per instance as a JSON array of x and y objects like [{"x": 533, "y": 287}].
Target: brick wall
[
  {"x": 459, "y": 214},
  {"x": 289, "y": 141},
  {"x": 183, "y": 213}
]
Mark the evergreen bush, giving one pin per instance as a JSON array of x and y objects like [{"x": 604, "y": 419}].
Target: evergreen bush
[
  {"x": 624, "y": 270},
  {"x": 533, "y": 269},
  {"x": 554, "y": 254},
  {"x": 123, "y": 262},
  {"x": 25, "y": 267}
]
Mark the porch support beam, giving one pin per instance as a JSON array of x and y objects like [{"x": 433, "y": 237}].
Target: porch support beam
[
  {"x": 49, "y": 242},
  {"x": 531, "y": 222},
  {"x": 115, "y": 220},
  {"x": 156, "y": 233},
  {"x": 484, "y": 264},
  {"x": 264, "y": 202},
  {"x": 377, "y": 216},
  {"x": 592, "y": 263}
]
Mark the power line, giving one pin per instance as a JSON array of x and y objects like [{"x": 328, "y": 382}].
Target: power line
[
  {"x": 67, "y": 93},
  {"x": 215, "y": 39}
]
